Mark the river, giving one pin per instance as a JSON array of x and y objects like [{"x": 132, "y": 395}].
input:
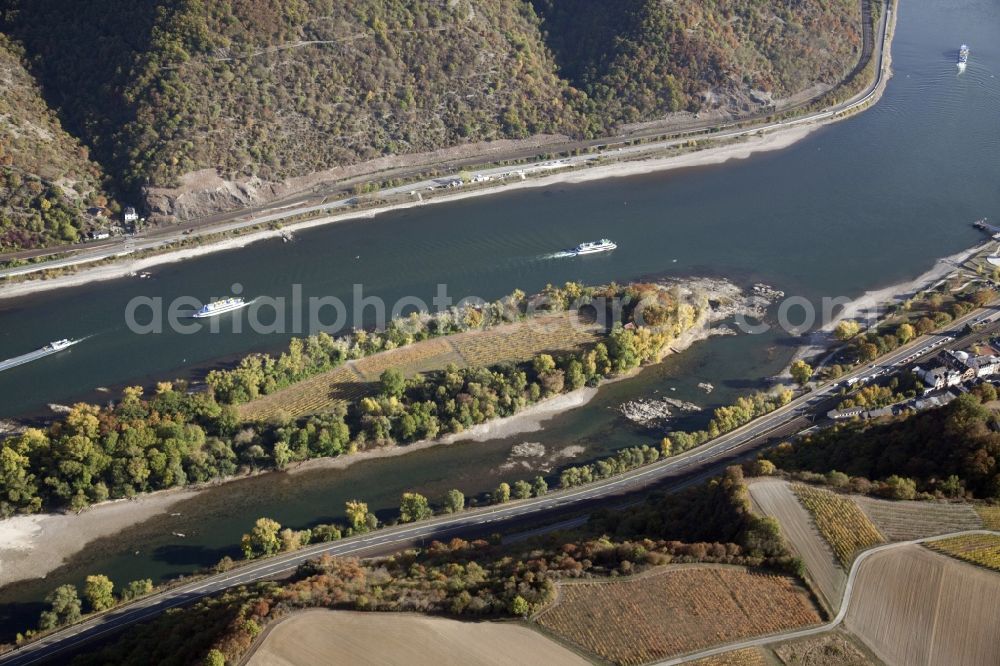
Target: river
[{"x": 857, "y": 205}]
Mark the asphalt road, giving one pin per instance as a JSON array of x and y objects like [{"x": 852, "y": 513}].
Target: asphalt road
[
  {"x": 313, "y": 203},
  {"x": 669, "y": 474}
]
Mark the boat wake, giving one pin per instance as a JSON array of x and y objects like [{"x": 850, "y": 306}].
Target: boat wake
[{"x": 563, "y": 254}]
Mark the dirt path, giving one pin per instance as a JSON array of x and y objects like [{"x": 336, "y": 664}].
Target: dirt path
[{"x": 775, "y": 498}]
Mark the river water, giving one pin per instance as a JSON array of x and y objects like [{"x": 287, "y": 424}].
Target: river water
[{"x": 858, "y": 205}]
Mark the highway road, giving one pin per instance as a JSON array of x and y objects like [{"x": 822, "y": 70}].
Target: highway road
[
  {"x": 668, "y": 474},
  {"x": 305, "y": 204},
  {"x": 823, "y": 628}
]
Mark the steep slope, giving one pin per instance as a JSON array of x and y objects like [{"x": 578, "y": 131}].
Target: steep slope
[
  {"x": 46, "y": 179},
  {"x": 638, "y": 59},
  {"x": 256, "y": 92}
]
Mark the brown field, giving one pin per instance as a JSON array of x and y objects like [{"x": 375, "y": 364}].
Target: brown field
[
  {"x": 383, "y": 639},
  {"x": 833, "y": 648},
  {"x": 775, "y": 498},
  {"x": 845, "y": 526},
  {"x": 981, "y": 549},
  {"x": 520, "y": 341},
  {"x": 744, "y": 657},
  {"x": 915, "y": 607},
  {"x": 990, "y": 516},
  {"x": 675, "y": 610},
  {"x": 904, "y": 521}
]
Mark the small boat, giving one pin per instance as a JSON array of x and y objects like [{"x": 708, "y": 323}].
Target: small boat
[
  {"x": 53, "y": 347},
  {"x": 963, "y": 56},
  {"x": 603, "y": 245},
  {"x": 219, "y": 307}
]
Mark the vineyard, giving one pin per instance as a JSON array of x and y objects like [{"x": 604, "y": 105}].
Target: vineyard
[
  {"x": 675, "y": 611},
  {"x": 990, "y": 516},
  {"x": 520, "y": 341},
  {"x": 980, "y": 549},
  {"x": 904, "y": 521},
  {"x": 744, "y": 657},
  {"x": 845, "y": 527},
  {"x": 311, "y": 396}
]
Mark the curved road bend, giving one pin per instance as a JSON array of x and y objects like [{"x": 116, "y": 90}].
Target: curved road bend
[
  {"x": 672, "y": 473},
  {"x": 293, "y": 207},
  {"x": 823, "y": 628}
]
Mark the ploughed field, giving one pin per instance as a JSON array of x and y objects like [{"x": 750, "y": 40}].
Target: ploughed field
[
  {"x": 914, "y": 606},
  {"x": 744, "y": 657},
  {"x": 904, "y": 521},
  {"x": 343, "y": 637},
  {"x": 675, "y": 610},
  {"x": 515, "y": 342}
]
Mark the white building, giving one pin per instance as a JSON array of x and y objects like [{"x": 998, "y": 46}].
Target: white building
[{"x": 129, "y": 215}]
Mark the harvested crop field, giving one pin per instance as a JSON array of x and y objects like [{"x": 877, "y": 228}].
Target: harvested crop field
[
  {"x": 675, "y": 610},
  {"x": 905, "y": 521},
  {"x": 342, "y": 637},
  {"x": 913, "y": 607},
  {"x": 845, "y": 526},
  {"x": 980, "y": 549},
  {"x": 519, "y": 341},
  {"x": 834, "y": 648},
  {"x": 774, "y": 497}
]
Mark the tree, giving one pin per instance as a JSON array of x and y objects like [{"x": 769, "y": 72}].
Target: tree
[
  {"x": 215, "y": 658},
  {"x": 65, "y": 608},
  {"x": 983, "y": 297},
  {"x": 900, "y": 488},
  {"x": 539, "y": 487},
  {"x": 392, "y": 384},
  {"x": 846, "y": 330},
  {"x": 522, "y": 490},
  {"x": 262, "y": 540},
  {"x": 99, "y": 592},
  {"x": 801, "y": 372},
  {"x": 905, "y": 333},
  {"x": 357, "y": 514},
  {"x": 868, "y": 352},
  {"x": 763, "y": 467},
  {"x": 136, "y": 589},
  {"x": 502, "y": 493},
  {"x": 454, "y": 501},
  {"x": 414, "y": 507},
  {"x": 519, "y": 606}
]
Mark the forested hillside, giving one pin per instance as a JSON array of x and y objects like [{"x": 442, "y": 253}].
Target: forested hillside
[
  {"x": 46, "y": 178},
  {"x": 279, "y": 88}
]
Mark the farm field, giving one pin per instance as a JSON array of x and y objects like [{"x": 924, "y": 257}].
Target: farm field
[
  {"x": 834, "y": 648},
  {"x": 990, "y": 516},
  {"x": 343, "y": 637},
  {"x": 980, "y": 549},
  {"x": 774, "y": 497},
  {"x": 904, "y": 521},
  {"x": 845, "y": 526},
  {"x": 913, "y": 606},
  {"x": 675, "y": 610},
  {"x": 744, "y": 657},
  {"x": 520, "y": 341}
]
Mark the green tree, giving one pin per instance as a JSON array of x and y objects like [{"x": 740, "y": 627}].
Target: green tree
[
  {"x": 900, "y": 488},
  {"x": 414, "y": 507},
  {"x": 539, "y": 487},
  {"x": 392, "y": 383},
  {"x": 519, "y": 606},
  {"x": 137, "y": 589},
  {"x": 521, "y": 489},
  {"x": 454, "y": 501},
  {"x": 905, "y": 333},
  {"x": 262, "y": 540},
  {"x": 801, "y": 372},
  {"x": 502, "y": 493},
  {"x": 215, "y": 658},
  {"x": 64, "y": 608},
  {"x": 99, "y": 592}
]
